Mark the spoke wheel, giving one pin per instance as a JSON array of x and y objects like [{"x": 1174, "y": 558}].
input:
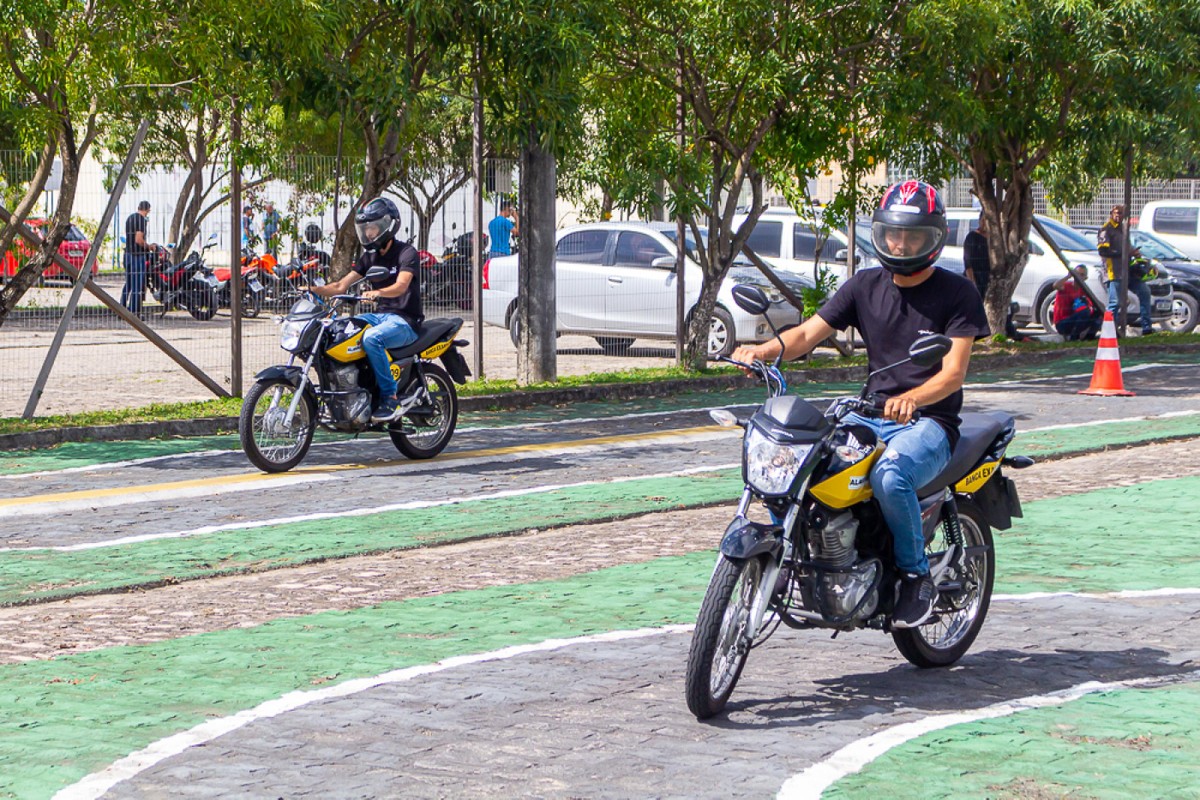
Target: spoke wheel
[
  {"x": 722, "y": 638},
  {"x": 958, "y": 616},
  {"x": 426, "y": 429},
  {"x": 202, "y": 303},
  {"x": 270, "y": 443}
]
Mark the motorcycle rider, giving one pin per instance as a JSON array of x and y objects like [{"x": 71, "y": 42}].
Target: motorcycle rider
[
  {"x": 397, "y": 295},
  {"x": 891, "y": 308}
]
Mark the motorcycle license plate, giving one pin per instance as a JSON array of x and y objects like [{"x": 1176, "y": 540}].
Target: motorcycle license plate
[
  {"x": 255, "y": 285},
  {"x": 211, "y": 280},
  {"x": 1162, "y": 305}
]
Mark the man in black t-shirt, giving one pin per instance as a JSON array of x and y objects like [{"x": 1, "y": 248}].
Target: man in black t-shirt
[
  {"x": 397, "y": 295},
  {"x": 892, "y": 307},
  {"x": 137, "y": 251}
]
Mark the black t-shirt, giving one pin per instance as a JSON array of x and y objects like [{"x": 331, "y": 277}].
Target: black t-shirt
[
  {"x": 399, "y": 258},
  {"x": 975, "y": 258},
  {"x": 891, "y": 319},
  {"x": 135, "y": 222}
]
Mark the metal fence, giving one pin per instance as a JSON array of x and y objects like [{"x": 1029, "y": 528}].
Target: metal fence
[{"x": 105, "y": 364}]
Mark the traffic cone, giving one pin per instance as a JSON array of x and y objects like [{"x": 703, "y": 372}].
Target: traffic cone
[{"x": 1106, "y": 375}]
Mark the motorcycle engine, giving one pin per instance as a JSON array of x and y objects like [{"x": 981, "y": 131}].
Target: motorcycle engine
[
  {"x": 347, "y": 406},
  {"x": 841, "y": 587}
]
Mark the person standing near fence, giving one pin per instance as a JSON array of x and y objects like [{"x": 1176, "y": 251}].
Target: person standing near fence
[
  {"x": 249, "y": 237},
  {"x": 270, "y": 228},
  {"x": 137, "y": 252},
  {"x": 502, "y": 227},
  {"x": 1110, "y": 244}
]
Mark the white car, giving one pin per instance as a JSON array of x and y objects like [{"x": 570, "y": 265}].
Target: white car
[
  {"x": 1034, "y": 294},
  {"x": 798, "y": 244},
  {"x": 1176, "y": 222},
  {"x": 616, "y": 282}
]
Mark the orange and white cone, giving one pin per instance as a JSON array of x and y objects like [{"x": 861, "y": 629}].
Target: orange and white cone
[{"x": 1106, "y": 375}]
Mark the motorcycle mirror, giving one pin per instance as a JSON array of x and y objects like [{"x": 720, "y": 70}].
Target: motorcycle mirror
[
  {"x": 750, "y": 299},
  {"x": 723, "y": 417},
  {"x": 212, "y": 239},
  {"x": 929, "y": 350},
  {"x": 375, "y": 273}
]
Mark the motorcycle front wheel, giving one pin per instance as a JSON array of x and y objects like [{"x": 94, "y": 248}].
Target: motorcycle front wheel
[
  {"x": 721, "y": 640},
  {"x": 426, "y": 429},
  {"x": 270, "y": 443},
  {"x": 958, "y": 616},
  {"x": 251, "y": 303}
]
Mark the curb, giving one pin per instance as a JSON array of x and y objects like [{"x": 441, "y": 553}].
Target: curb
[{"x": 513, "y": 401}]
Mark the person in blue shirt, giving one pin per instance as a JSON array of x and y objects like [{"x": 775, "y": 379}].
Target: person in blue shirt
[{"x": 504, "y": 226}]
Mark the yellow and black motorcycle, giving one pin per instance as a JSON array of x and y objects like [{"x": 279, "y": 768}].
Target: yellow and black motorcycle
[
  {"x": 823, "y": 559},
  {"x": 328, "y": 382}
]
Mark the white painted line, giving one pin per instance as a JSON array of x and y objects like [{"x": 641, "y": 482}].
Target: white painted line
[
  {"x": 1094, "y": 423},
  {"x": 362, "y": 512},
  {"x": 96, "y": 784},
  {"x": 799, "y": 786},
  {"x": 812, "y": 782},
  {"x": 1124, "y": 594}
]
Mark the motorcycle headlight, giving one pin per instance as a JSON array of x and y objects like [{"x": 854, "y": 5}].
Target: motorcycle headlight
[
  {"x": 289, "y": 336},
  {"x": 771, "y": 467}
]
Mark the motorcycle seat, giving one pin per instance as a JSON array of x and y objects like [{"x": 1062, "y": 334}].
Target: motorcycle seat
[
  {"x": 976, "y": 434},
  {"x": 430, "y": 332}
]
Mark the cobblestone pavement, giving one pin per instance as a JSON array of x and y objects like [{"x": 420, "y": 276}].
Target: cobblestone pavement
[
  {"x": 608, "y": 721},
  {"x": 86, "y": 623}
]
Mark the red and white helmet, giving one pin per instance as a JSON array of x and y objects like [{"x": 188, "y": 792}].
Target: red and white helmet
[{"x": 909, "y": 227}]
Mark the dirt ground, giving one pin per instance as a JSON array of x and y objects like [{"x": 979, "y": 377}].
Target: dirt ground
[
  {"x": 46, "y": 630},
  {"x": 105, "y": 364}
]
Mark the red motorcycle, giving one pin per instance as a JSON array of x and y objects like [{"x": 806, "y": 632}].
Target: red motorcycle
[
  {"x": 189, "y": 285},
  {"x": 253, "y": 291}
]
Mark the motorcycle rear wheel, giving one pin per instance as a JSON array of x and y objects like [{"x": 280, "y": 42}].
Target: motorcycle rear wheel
[
  {"x": 958, "y": 619},
  {"x": 720, "y": 642},
  {"x": 268, "y": 445},
  {"x": 424, "y": 433},
  {"x": 202, "y": 303}
]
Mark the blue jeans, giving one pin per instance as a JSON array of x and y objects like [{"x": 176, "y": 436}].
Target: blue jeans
[
  {"x": 1142, "y": 291},
  {"x": 387, "y": 330},
  {"x": 915, "y": 454},
  {"x": 135, "y": 281}
]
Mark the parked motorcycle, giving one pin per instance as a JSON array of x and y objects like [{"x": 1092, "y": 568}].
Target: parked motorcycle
[
  {"x": 825, "y": 560},
  {"x": 285, "y": 283},
  {"x": 189, "y": 285},
  {"x": 448, "y": 281},
  {"x": 253, "y": 291},
  {"x": 328, "y": 382}
]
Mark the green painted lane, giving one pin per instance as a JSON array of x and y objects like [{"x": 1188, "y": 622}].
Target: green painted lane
[
  {"x": 62, "y": 719},
  {"x": 1114, "y": 746},
  {"x": 1131, "y": 537},
  {"x": 1092, "y": 438},
  {"x": 49, "y": 574}
]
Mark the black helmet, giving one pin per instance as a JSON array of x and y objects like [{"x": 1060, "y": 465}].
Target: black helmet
[
  {"x": 377, "y": 223},
  {"x": 909, "y": 227},
  {"x": 312, "y": 233}
]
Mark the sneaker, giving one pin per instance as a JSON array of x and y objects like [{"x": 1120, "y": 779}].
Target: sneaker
[
  {"x": 1147, "y": 331},
  {"x": 385, "y": 412},
  {"x": 915, "y": 604}
]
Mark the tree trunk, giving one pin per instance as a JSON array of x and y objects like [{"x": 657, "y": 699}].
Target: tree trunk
[
  {"x": 537, "y": 350},
  {"x": 1008, "y": 212},
  {"x": 8, "y": 234},
  {"x": 54, "y": 232}
]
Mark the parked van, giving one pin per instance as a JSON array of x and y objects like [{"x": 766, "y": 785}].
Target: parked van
[
  {"x": 796, "y": 243},
  {"x": 1175, "y": 221}
]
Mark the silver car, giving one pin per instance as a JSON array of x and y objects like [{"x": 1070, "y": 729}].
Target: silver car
[{"x": 616, "y": 282}]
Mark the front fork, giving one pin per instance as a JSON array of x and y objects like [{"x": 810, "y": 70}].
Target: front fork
[{"x": 299, "y": 394}]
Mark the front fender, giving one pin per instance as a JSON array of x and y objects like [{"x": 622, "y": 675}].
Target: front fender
[
  {"x": 746, "y": 539},
  {"x": 290, "y": 374}
]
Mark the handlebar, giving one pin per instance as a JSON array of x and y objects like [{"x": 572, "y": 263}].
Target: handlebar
[
  {"x": 767, "y": 373},
  {"x": 870, "y": 406}
]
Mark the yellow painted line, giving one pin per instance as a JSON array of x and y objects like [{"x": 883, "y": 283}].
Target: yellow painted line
[{"x": 305, "y": 473}]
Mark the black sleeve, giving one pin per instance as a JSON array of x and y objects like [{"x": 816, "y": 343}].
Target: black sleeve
[
  {"x": 841, "y": 310},
  {"x": 410, "y": 260},
  {"x": 969, "y": 317}
]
